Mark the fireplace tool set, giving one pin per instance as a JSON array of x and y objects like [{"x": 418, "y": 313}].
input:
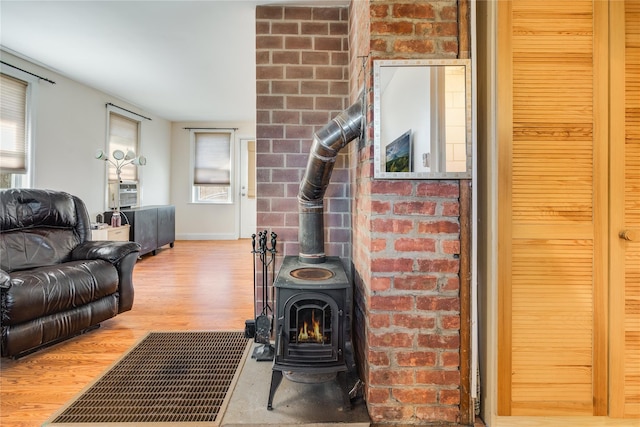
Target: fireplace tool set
[{"x": 263, "y": 265}]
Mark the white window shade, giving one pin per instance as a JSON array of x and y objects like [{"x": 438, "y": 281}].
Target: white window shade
[
  {"x": 123, "y": 135},
  {"x": 13, "y": 141},
  {"x": 212, "y": 159}
]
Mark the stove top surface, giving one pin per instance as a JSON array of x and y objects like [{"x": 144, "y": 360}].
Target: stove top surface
[{"x": 296, "y": 274}]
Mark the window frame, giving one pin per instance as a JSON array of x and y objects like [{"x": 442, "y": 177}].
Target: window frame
[
  {"x": 26, "y": 180},
  {"x": 109, "y": 150},
  {"x": 194, "y": 197}
]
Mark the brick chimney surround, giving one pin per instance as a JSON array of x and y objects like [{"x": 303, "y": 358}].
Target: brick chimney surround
[{"x": 400, "y": 240}]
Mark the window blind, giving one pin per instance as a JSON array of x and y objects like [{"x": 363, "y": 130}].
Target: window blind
[
  {"x": 212, "y": 165},
  {"x": 123, "y": 135},
  {"x": 13, "y": 140}
]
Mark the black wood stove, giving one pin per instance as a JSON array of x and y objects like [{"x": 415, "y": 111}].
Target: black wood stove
[
  {"x": 313, "y": 294},
  {"x": 312, "y": 317}
]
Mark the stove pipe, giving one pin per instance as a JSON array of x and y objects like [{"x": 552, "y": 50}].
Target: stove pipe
[{"x": 327, "y": 142}]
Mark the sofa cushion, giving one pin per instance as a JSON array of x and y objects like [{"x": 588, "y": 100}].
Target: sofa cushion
[
  {"x": 39, "y": 227},
  {"x": 36, "y": 247},
  {"x": 51, "y": 289},
  {"x": 25, "y": 208},
  {"x": 34, "y": 333}
]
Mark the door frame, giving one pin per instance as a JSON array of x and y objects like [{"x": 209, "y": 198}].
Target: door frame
[
  {"x": 616, "y": 273},
  {"x": 617, "y": 247},
  {"x": 244, "y": 230}
]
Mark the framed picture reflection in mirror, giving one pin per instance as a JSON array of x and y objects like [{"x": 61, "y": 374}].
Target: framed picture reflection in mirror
[{"x": 422, "y": 119}]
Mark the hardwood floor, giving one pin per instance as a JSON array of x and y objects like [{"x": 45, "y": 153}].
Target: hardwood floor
[{"x": 197, "y": 285}]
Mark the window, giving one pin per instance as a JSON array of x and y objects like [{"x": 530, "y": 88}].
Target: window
[
  {"x": 124, "y": 133},
  {"x": 15, "y": 160},
  {"x": 211, "y": 171}
]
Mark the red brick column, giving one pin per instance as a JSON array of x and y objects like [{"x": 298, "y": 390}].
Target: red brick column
[
  {"x": 414, "y": 306},
  {"x": 406, "y": 243}
]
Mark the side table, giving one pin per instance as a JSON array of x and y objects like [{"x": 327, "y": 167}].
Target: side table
[{"x": 111, "y": 233}]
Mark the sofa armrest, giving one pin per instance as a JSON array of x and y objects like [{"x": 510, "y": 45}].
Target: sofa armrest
[
  {"x": 5, "y": 280},
  {"x": 125, "y": 281},
  {"x": 110, "y": 251},
  {"x": 123, "y": 255}
]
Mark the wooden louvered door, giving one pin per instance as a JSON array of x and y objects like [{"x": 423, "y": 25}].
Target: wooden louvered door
[
  {"x": 625, "y": 211},
  {"x": 552, "y": 207}
]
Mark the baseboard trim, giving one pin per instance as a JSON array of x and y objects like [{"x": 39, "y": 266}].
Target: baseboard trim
[{"x": 211, "y": 236}]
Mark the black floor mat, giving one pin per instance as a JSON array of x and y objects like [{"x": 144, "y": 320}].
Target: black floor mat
[{"x": 170, "y": 377}]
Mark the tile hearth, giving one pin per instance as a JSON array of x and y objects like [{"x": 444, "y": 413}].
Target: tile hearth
[{"x": 295, "y": 404}]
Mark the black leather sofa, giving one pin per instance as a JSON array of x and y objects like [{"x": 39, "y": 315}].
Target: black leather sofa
[{"x": 55, "y": 282}]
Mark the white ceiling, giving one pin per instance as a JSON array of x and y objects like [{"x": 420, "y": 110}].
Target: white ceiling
[{"x": 179, "y": 60}]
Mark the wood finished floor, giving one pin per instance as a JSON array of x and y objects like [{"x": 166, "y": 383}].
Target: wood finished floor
[{"x": 197, "y": 285}]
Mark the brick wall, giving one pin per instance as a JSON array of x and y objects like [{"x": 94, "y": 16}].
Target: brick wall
[
  {"x": 405, "y": 234},
  {"x": 414, "y": 29},
  {"x": 406, "y": 244},
  {"x": 410, "y": 306},
  {"x": 302, "y": 59}
]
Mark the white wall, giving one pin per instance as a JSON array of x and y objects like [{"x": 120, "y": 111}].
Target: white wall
[
  {"x": 203, "y": 221},
  {"x": 404, "y": 106},
  {"x": 70, "y": 125}
]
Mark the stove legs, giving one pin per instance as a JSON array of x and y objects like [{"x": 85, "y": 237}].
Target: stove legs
[
  {"x": 276, "y": 379},
  {"x": 342, "y": 381},
  {"x": 341, "y": 377}
]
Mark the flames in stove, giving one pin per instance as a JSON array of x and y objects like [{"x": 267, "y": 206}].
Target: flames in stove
[{"x": 311, "y": 331}]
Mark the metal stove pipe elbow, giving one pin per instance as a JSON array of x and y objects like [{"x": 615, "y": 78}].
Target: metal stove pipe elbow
[{"x": 327, "y": 142}]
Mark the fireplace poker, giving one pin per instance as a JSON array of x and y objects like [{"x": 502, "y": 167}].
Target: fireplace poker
[
  {"x": 273, "y": 251},
  {"x": 266, "y": 308},
  {"x": 265, "y": 293}
]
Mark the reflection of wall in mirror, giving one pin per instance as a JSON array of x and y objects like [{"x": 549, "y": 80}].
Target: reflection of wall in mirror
[
  {"x": 455, "y": 121},
  {"x": 404, "y": 105}
]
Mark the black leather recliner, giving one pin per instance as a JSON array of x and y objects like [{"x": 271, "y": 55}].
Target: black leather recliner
[{"x": 55, "y": 282}]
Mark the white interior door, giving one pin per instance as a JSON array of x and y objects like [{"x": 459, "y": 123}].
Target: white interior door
[{"x": 248, "y": 220}]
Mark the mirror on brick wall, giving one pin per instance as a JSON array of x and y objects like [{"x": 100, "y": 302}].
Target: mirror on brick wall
[{"x": 422, "y": 119}]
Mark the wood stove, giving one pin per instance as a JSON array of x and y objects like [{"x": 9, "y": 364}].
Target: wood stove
[
  {"x": 312, "y": 319},
  {"x": 313, "y": 294}
]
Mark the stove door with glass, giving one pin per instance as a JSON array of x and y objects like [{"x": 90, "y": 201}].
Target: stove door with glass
[{"x": 309, "y": 333}]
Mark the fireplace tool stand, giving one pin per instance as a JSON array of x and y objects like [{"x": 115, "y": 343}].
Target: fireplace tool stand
[{"x": 265, "y": 256}]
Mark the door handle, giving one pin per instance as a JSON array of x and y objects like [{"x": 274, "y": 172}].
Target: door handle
[{"x": 630, "y": 235}]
